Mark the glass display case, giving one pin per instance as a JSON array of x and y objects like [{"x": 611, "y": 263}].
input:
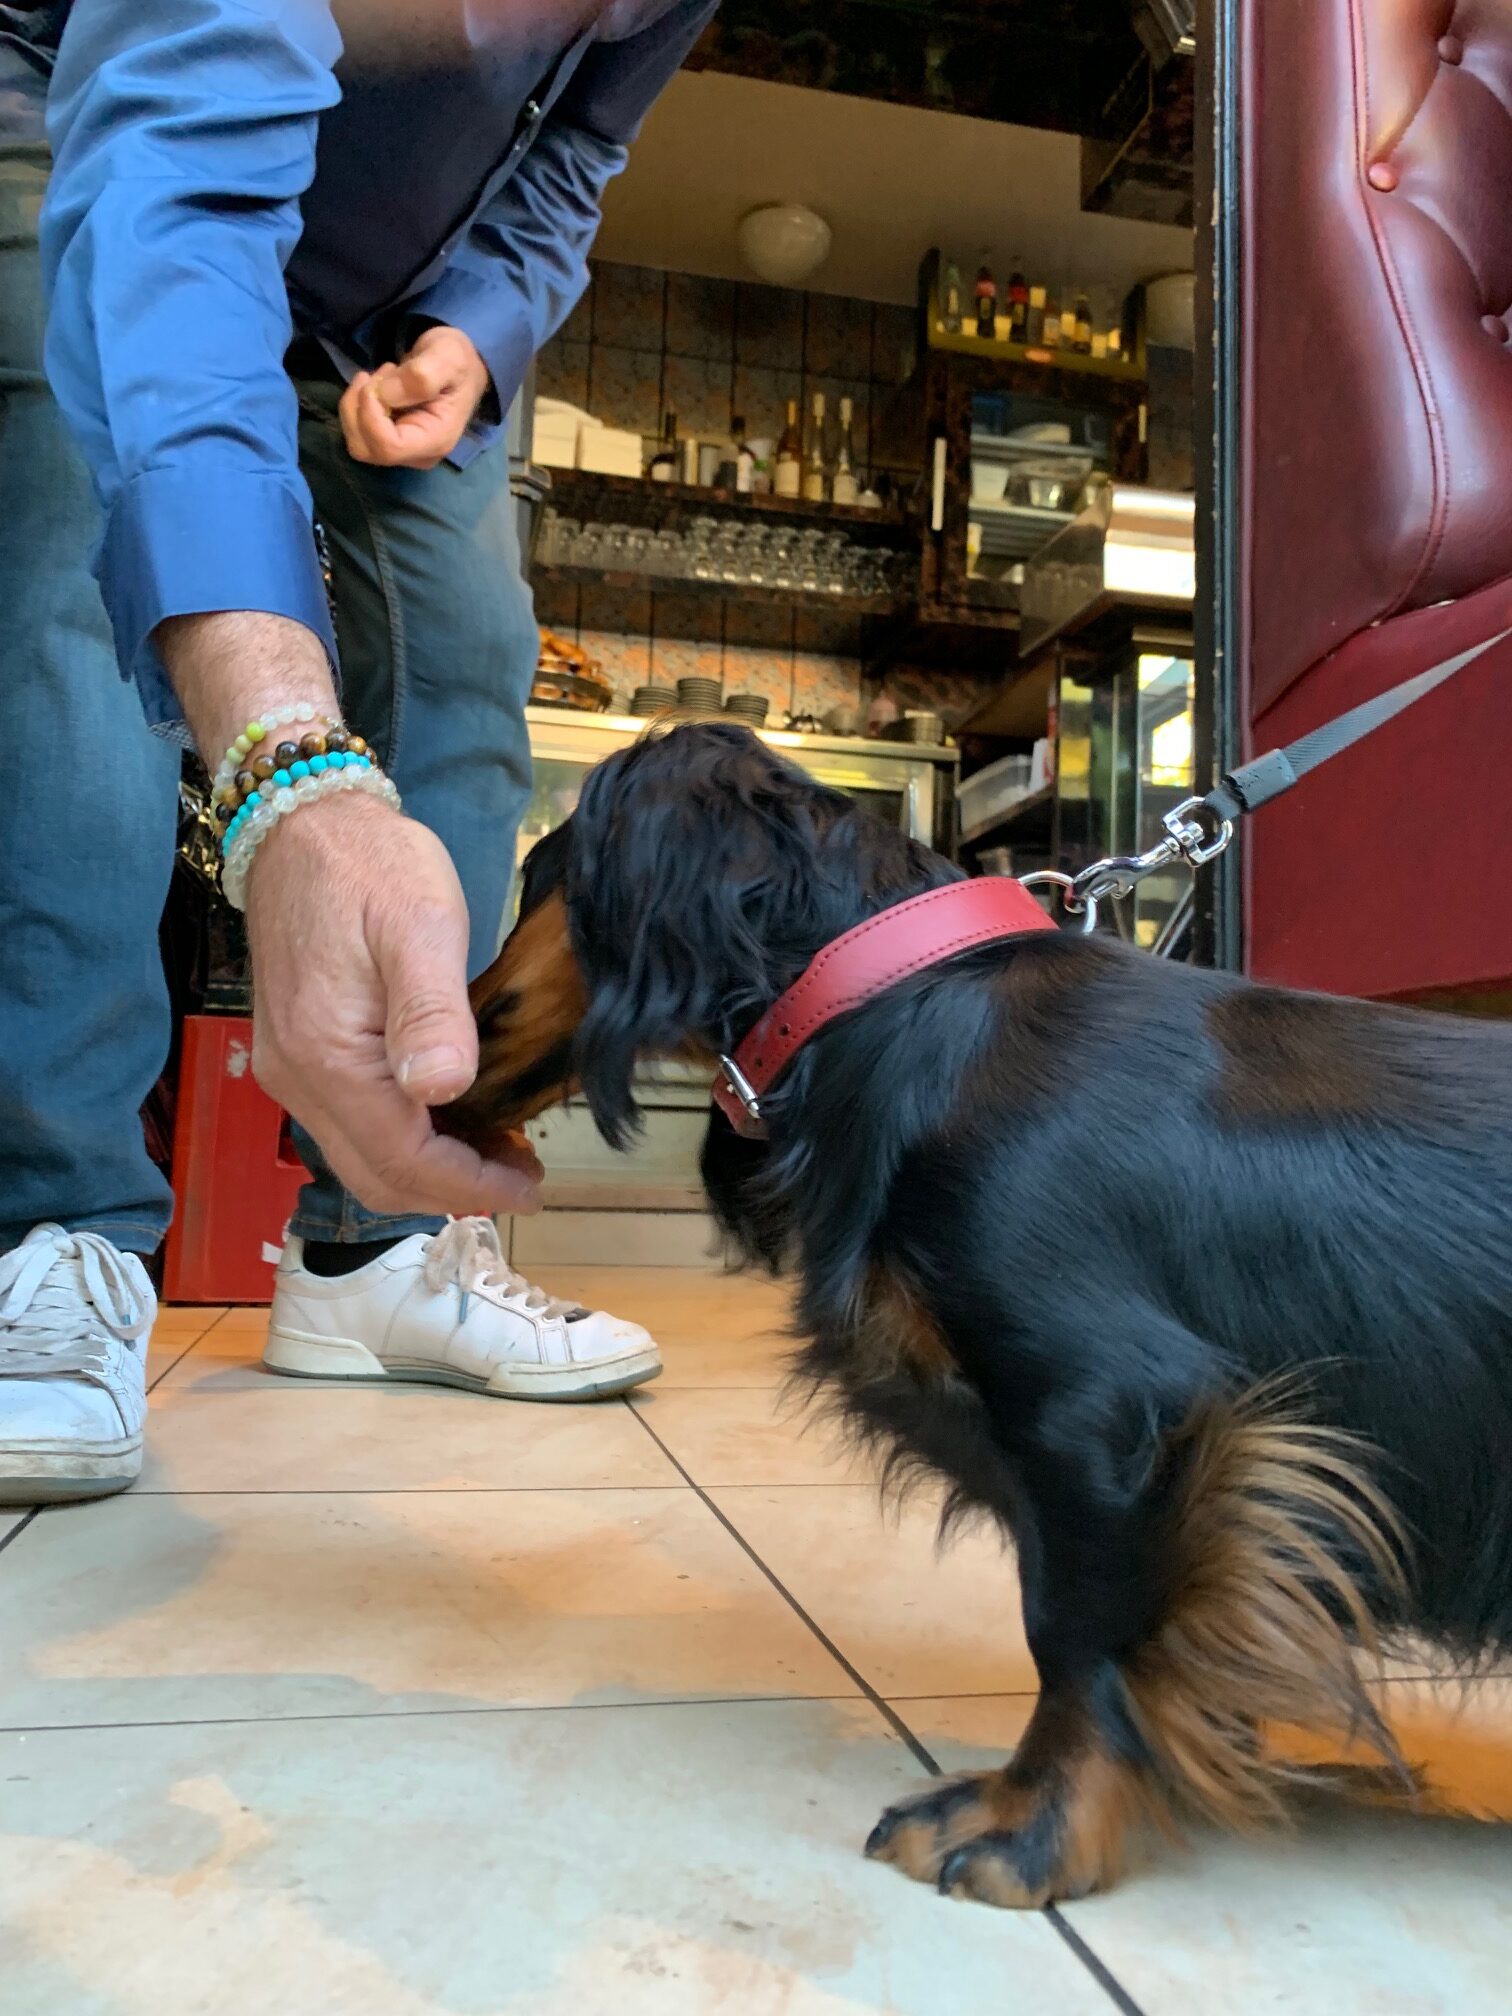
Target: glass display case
[
  {"x": 1126, "y": 758},
  {"x": 904, "y": 784}
]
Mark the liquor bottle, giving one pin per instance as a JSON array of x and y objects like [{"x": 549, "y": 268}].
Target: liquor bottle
[
  {"x": 727, "y": 471},
  {"x": 1050, "y": 336},
  {"x": 664, "y": 461},
  {"x": 846, "y": 489},
  {"x": 788, "y": 478},
  {"x": 815, "y": 464},
  {"x": 745, "y": 461},
  {"x": 986, "y": 304},
  {"x": 1082, "y": 326},
  {"x": 1018, "y": 306},
  {"x": 1034, "y": 331},
  {"x": 1068, "y": 321},
  {"x": 951, "y": 303}
]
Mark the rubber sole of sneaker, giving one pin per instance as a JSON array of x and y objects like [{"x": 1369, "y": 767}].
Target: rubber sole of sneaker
[
  {"x": 67, "y": 1475},
  {"x": 295, "y": 1355}
]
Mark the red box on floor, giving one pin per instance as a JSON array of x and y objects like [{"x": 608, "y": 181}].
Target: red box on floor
[{"x": 235, "y": 1172}]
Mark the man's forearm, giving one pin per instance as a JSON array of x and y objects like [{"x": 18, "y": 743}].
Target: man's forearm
[{"x": 230, "y": 669}]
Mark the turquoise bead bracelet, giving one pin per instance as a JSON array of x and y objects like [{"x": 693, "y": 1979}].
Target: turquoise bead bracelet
[{"x": 324, "y": 777}]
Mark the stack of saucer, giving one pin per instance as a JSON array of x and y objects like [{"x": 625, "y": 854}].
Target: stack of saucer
[
  {"x": 748, "y": 707},
  {"x": 650, "y": 701},
  {"x": 699, "y": 696}
]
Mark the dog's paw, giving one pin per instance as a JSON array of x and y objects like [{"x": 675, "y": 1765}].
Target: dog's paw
[
  {"x": 967, "y": 1838},
  {"x": 988, "y": 1839}
]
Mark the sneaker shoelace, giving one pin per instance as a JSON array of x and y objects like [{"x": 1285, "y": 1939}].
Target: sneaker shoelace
[
  {"x": 65, "y": 1298},
  {"x": 467, "y": 1255}
]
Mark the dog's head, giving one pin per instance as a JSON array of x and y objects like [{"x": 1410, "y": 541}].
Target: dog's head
[{"x": 697, "y": 878}]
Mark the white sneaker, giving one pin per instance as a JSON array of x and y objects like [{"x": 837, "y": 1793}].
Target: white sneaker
[
  {"x": 450, "y": 1311},
  {"x": 75, "y": 1315}
]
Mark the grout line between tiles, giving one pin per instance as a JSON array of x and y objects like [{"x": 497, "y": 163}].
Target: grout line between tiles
[
  {"x": 420, "y": 1714},
  {"x": 197, "y": 1339},
  {"x": 392, "y": 1491},
  {"x": 1111, "y": 1987},
  {"x": 19, "y": 1528}
]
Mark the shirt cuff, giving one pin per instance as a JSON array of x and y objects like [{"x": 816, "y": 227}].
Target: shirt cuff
[
  {"x": 505, "y": 342},
  {"x": 202, "y": 541}
]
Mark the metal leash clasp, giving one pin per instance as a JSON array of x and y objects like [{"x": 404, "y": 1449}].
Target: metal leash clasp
[
  {"x": 1074, "y": 906},
  {"x": 1191, "y": 839},
  {"x": 1195, "y": 834}
]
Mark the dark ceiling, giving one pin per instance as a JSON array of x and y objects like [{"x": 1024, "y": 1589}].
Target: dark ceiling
[{"x": 1068, "y": 66}]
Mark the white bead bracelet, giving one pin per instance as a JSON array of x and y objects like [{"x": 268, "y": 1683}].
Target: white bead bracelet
[{"x": 358, "y": 773}]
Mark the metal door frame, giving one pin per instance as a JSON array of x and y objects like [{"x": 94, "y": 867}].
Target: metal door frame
[{"x": 1218, "y": 718}]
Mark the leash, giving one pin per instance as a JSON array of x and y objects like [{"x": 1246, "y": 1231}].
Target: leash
[{"x": 1199, "y": 830}]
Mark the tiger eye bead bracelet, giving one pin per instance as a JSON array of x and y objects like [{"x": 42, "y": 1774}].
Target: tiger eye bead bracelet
[{"x": 254, "y": 763}]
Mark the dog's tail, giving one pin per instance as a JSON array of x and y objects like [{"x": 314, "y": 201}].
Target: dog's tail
[{"x": 1282, "y": 1550}]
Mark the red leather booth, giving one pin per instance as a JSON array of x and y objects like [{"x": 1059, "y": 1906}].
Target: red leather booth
[{"x": 1376, "y": 490}]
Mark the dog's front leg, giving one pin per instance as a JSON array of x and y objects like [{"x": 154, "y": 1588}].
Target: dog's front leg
[{"x": 1182, "y": 1592}]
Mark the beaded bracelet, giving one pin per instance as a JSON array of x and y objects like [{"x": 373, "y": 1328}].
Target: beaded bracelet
[
  {"x": 257, "y": 818},
  {"x": 243, "y": 773}
]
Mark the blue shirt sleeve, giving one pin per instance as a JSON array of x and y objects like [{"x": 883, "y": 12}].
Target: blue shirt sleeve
[
  {"x": 523, "y": 266},
  {"x": 168, "y": 329}
]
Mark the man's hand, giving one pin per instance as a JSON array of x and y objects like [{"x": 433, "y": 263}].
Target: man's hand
[
  {"x": 412, "y": 415},
  {"x": 359, "y": 945}
]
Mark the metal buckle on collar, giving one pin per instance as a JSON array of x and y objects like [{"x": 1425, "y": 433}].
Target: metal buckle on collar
[{"x": 742, "y": 1087}]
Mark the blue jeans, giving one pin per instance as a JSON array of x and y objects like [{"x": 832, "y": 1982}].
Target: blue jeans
[{"x": 439, "y": 645}]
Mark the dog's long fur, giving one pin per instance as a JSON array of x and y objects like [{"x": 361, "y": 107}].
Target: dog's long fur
[{"x": 1203, "y": 1290}]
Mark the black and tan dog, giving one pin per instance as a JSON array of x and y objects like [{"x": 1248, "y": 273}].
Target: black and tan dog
[{"x": 1203, "y": 1290}]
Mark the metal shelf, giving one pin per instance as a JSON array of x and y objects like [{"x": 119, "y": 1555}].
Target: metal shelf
[{"x": 1016, "y": 531}]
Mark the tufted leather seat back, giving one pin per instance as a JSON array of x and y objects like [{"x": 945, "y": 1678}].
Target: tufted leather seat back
[
  {"x": 1379, "y": 238},
  {"x": 1376, "y": 487}
]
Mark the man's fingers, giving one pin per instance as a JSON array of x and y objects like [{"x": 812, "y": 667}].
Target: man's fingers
[
  {"x": 415, "y": 382},
  {"x": 430, "y": 1032},
  {"x": 391, "y": 1159},
  {"x": 387, "y": 1153},
  {"x": 375, "y": 429}
]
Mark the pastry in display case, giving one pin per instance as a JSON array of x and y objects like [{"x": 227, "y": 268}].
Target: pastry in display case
[{"x": 567, "y": 677}]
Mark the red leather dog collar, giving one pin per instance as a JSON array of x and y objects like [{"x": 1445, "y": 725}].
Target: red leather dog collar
[{"x": 851, "y": 969}]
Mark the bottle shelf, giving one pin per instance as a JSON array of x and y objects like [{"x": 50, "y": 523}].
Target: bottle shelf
[{"x": 637, "y": 500}]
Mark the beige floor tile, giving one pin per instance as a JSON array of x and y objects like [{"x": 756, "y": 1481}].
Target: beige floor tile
[
  {"x": 970, "y": 1732},
  {"x": 694, "y": 1861},
  {"x": 174, "y": 1331},
  {"x": 291, "y": 1435},
  {"x": 191, "y": 1316},
  {"x": 912, "y": 1620},
  {"x": 715, "y": 1329},
  {"x": 1357, "y": 1913},
  {"x": 1353, "y": 1914},
  {"x": 155, "y": 1608},
  {"x": 726, "y": 1435},
  {"x": 228, "y": 1359}
]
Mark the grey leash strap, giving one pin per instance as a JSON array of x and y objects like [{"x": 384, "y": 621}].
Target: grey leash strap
[{"x": 1255, "y": 784}]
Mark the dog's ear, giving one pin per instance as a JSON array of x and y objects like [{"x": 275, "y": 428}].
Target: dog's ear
[{"x": 695, "y": 883}]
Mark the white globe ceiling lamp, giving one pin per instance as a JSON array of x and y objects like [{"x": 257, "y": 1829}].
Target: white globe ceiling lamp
[{"x": 784, "y": 243}]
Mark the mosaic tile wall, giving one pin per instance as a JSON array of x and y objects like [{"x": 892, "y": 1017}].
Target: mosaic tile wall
[{"x": 642, "y": 343}]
